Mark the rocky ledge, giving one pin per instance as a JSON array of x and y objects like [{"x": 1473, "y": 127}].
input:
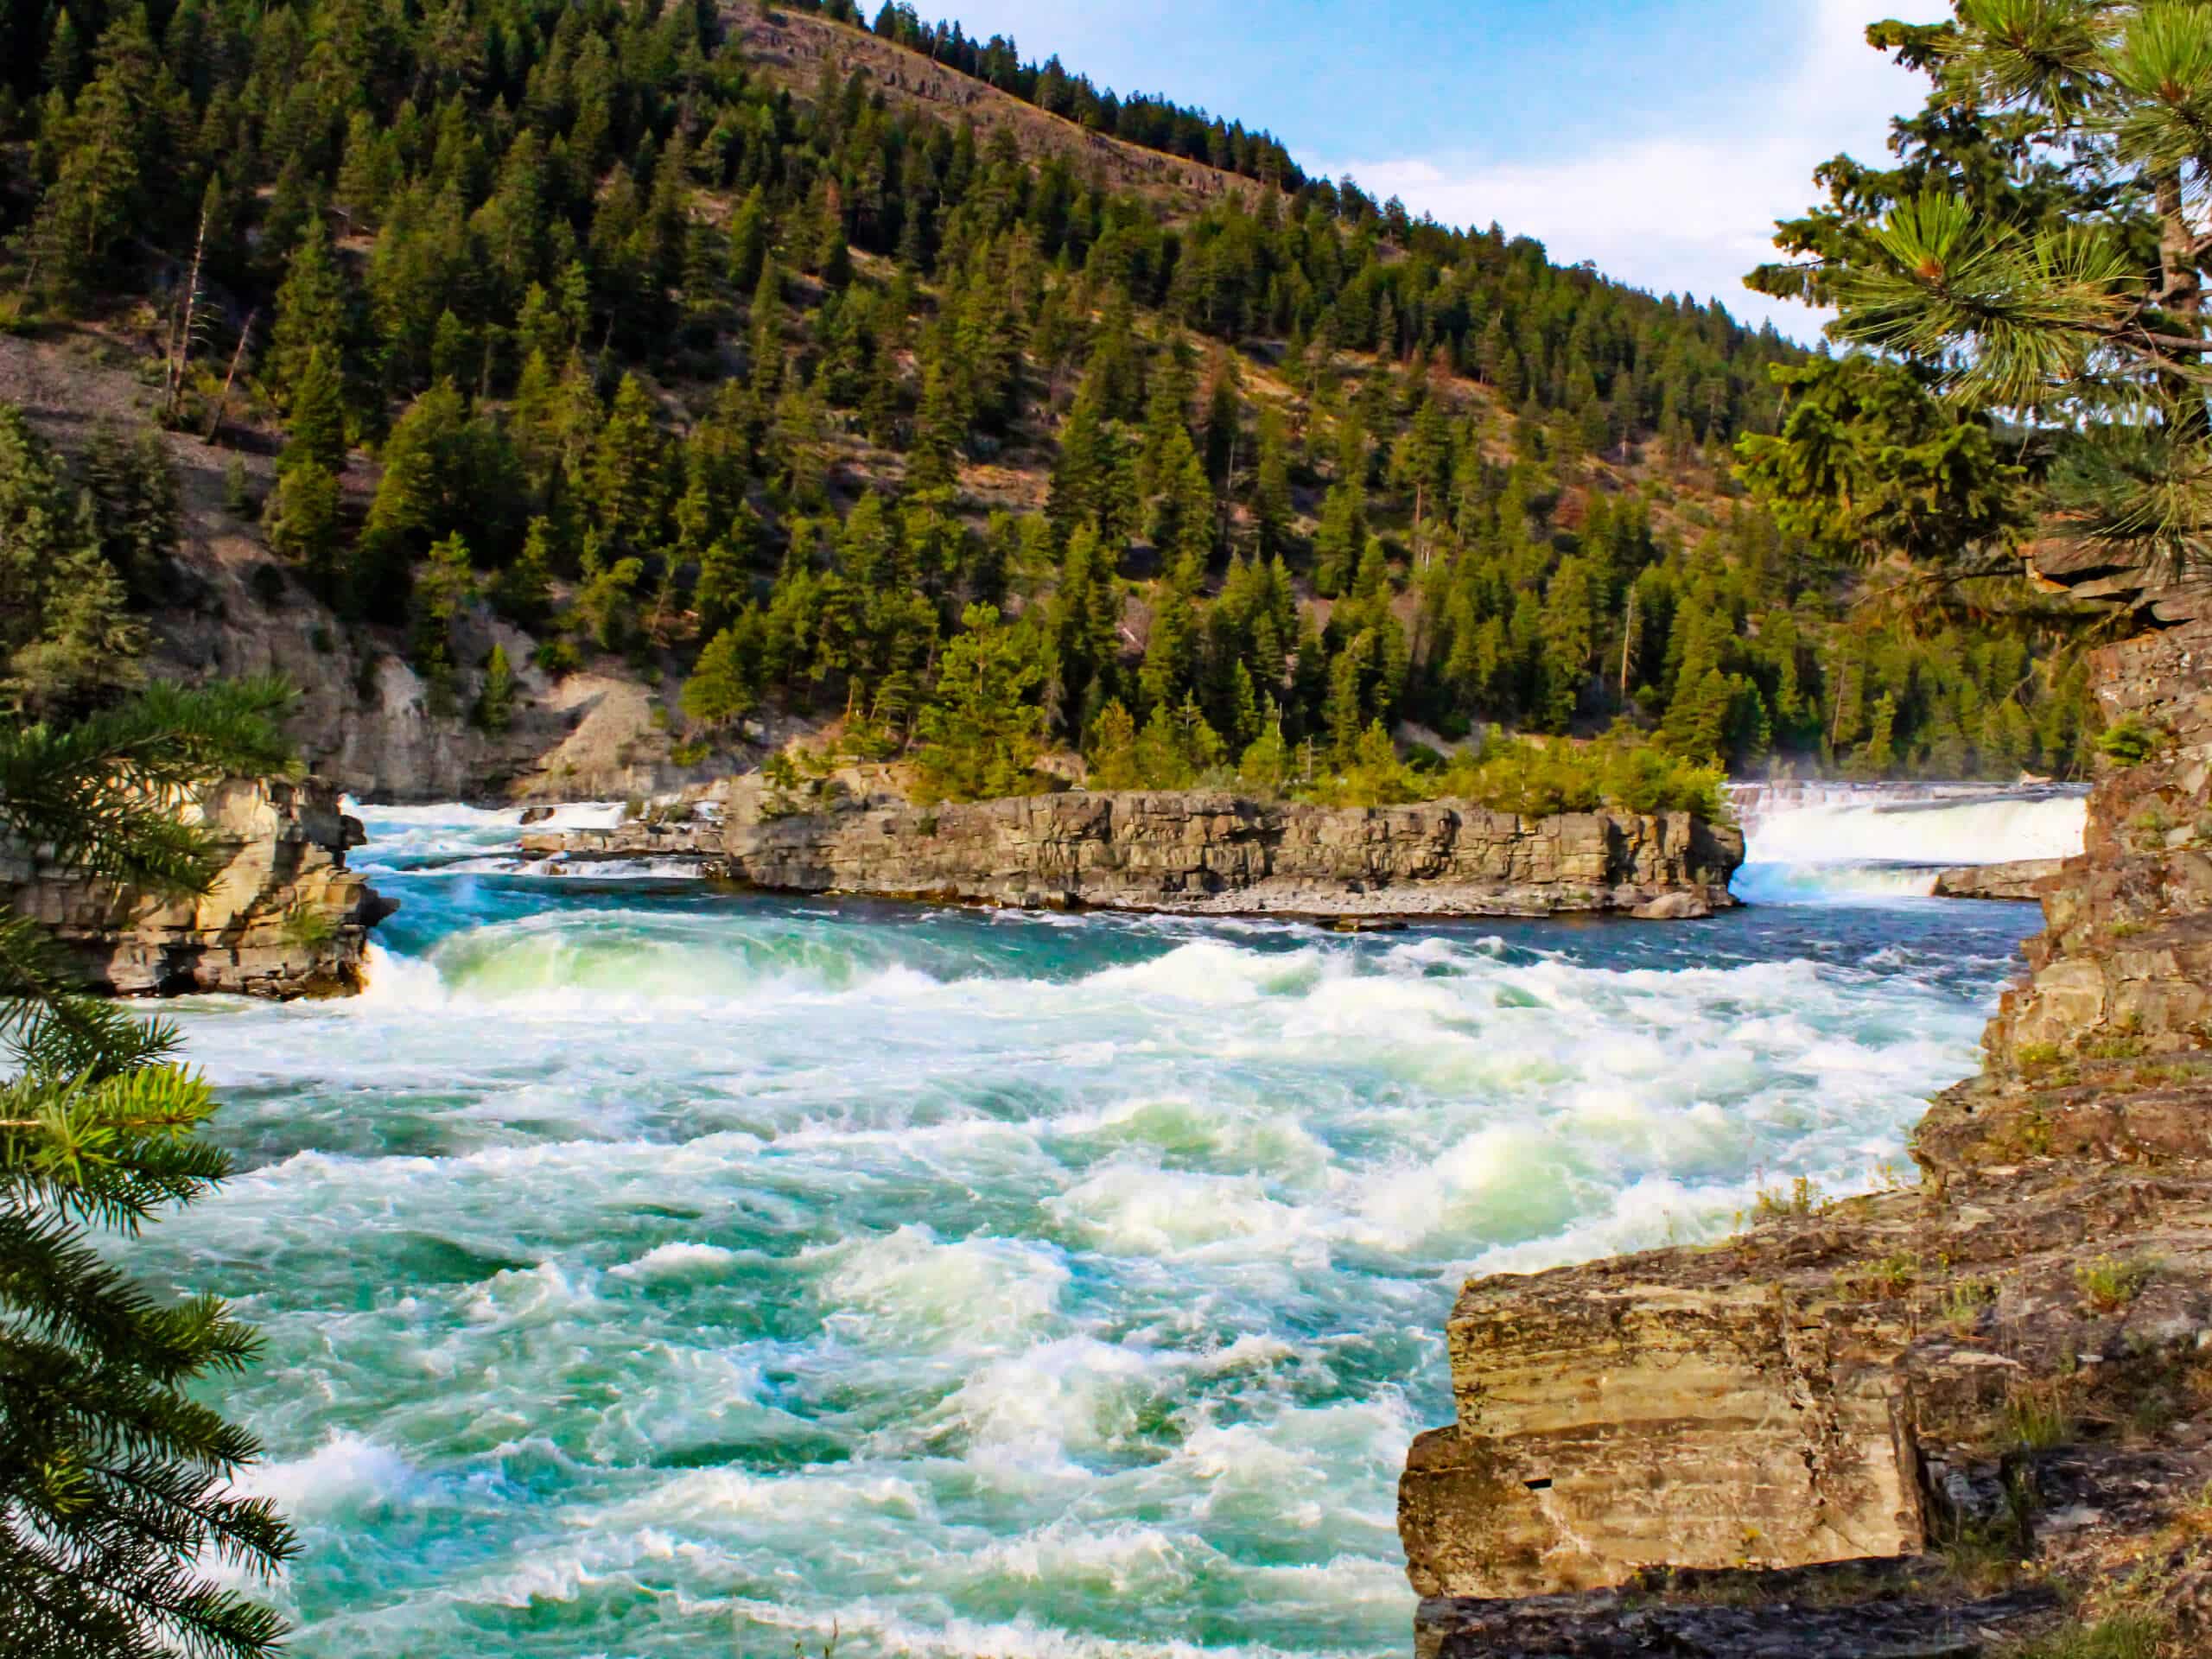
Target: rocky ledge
[
  {"x": 1952, "y": 1418},
  {"x": 1201, "y": 854},
  {"x": 284, "y": 918},
  {"x": 2021, "y": 881}
]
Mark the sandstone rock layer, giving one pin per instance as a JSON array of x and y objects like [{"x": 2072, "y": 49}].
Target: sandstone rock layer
[
  {"x": 1208, "y": 854},
  {"x": 285, "y": 916},
  {"x": 2014, "y": 1356}
]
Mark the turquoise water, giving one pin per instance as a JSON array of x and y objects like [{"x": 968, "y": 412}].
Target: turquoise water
[{"x": 647, "y": 1271}]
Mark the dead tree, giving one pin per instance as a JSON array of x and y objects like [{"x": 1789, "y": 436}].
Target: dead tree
[
  {"x": 184, "y": 330},
  {"x": 223, "y": 402}
]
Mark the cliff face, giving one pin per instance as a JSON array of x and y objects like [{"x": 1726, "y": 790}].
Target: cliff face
[
  {"x": 1901, "y": 1423},
  {"x": 1201, "y": 854},
  {"x": 284, "y": 918}
]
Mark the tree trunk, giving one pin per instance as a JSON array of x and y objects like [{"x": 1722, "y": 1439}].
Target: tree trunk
[{"x": 223, "y": 402}]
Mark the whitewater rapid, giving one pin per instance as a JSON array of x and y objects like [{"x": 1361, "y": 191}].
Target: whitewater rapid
[{"x": 649, "y": 1271}]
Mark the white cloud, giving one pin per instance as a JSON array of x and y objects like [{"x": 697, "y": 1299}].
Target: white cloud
[{"x": 1691, "y": 211}]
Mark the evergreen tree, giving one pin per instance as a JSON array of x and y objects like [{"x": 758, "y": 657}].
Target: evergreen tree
[
  {"x": 1341, "y": 540},
  {"x": 721, "y": 687},
  {"x": 495, "y": 701},
  {"x": 115, "y": 1483},
  {"x": 979, "y": 731},
  {"x": 317, "y": 418},
  {"x": 303, "y": 520},
  {"x": 1272, "y": 507},
  {"x": 311, "y": 309}
]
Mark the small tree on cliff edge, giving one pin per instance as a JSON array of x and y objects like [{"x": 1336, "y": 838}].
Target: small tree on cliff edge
[
  {"x": 2039, "y": 250},
  {"x": 115, "y": 1484}
]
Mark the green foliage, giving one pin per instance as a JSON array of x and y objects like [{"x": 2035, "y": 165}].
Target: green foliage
[
  {"x": 529, "y": 324},
  {"x": 1532, "y": 781},
  {"x": 1868, "y": 463},
  {"x": 67, "y": 639},
  {"x": 2129, "y": 1634},
  {"x": 2036, "y": 252},
  {"x": 116, "y": 1483},
  {"x": 981, "y": 735},
  {"x": 721, "y": 688},
  {"x": 309, "y": 929},
  {"x": 237, "y": 489},
  {"x": 495, "y": 701},
  {"x": 2035, "y": 1418},
  {"x": 2109, "y": 1284},
  {"x": 2129, "y": 742},
  {"x": 1802, "y": 1198}
]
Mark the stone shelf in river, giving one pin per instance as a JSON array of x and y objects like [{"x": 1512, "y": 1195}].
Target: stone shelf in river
[{"x": 1199, "y": 854}]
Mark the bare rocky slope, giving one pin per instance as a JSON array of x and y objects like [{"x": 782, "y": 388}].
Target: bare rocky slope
[
  {"x": 285, "y": 918},
  {"x": 1196, "y": 854},
  {"x": 1939, "y": 1420}
]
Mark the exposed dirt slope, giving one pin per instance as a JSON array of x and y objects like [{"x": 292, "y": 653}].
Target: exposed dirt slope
[{"x": 792, "y": 47}]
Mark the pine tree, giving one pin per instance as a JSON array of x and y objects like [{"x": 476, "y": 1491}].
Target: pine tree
[
  {"x": 1697, "y": 725},
  {"x": 1876, "y": 757},
  {"x": 748, "y": 241},
  {"x": 720, "y": 689},
  {"x": 1265, "y": 766},
  {"x": 310, "y": 313},
  {"x": 302, "y": 519},
  {"x": 115, "y": 1484},
  {"x": 523, "y": 591},
  {"x": 317, "y": 418},
  {"x": 626, "y": 484},
  {"x": 979, "y": 731},
  {"x": 1341, "y": 540},
  {"x": 495, "y": 701},
  {"x": 1568, "y": 641},
  {"x": 1113, "y": 750}
]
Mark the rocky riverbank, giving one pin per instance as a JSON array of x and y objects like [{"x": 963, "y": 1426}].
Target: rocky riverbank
[
  {"x": 284, "y": 918},
  {"x": 1939, "y": 1420},
  {"x": 1197, "y": 854}
]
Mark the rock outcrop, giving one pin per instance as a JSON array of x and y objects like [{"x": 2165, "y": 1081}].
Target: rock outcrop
[
  {"x": 2022, "y": 881},
  {"x": 285, "y": 918},
  {"x": 1992, "y": 1385},
  {"x": 1205, "y": 855}
]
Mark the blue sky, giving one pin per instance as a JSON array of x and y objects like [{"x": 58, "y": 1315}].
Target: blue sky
[{"x": 1660, "y": 138}]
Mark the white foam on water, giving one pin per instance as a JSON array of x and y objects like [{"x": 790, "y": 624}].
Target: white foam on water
[
  {"x": 1133, "y": 1209},
  {"x": 983, "y": 1288},
  {"x": 348, "y": 1471},
  {"x": 681, "y": 1260},
  {"x": 971, "y": 1293},
  {"x": 1029, "y": 1416}
]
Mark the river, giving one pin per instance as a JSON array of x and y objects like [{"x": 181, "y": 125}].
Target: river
[{"x": 649, "y": 1271}]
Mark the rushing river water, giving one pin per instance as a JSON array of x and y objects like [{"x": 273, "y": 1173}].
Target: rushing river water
[{"x": 649, "y": 1271}]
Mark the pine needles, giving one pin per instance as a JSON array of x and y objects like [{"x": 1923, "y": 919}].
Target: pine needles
[{"x": 116, "y": 1485}]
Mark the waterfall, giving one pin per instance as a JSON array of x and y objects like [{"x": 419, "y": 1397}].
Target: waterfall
[{"x": 1825, "y": 841}]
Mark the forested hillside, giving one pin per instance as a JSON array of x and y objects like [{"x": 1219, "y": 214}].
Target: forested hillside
[{"x": 806, "y": 398}]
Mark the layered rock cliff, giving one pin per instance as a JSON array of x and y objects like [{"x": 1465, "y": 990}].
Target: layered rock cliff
[
  {"x": 1942, "y": 1420},
  {"x": 1205, "y": 855},
  {"x": 285, "y": 918}
]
